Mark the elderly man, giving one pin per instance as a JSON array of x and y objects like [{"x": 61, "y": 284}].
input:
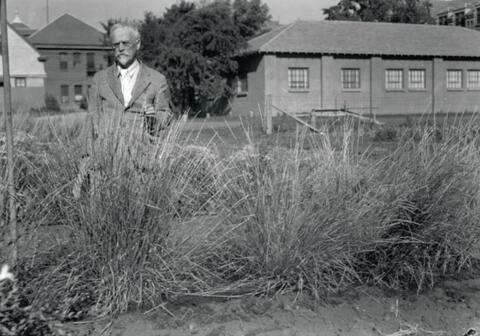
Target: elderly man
[{"x": 129, "y": 89}]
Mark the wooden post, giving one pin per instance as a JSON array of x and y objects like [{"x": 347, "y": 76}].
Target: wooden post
[
  {"x": 313, "y": 119},
  {"x": 7, "y": 106},
  {"x": 268, "y": 114}
]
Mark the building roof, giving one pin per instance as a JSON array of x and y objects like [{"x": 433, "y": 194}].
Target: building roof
[
  {"x": 67, "y": 30},
  {"x": 367, "y": 38},
  {"x": 24, "y": 58},
  {"x": 20, "y": 27}
]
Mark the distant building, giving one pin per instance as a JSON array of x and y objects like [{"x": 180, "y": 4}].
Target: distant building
[
  {"x": 380, "y": 68},
  {"x": 457, "y": 13},
  {"x": 21, "y": 28},
  {"x": 74, "y": 51},
  {"x": 27, "y": 73}
]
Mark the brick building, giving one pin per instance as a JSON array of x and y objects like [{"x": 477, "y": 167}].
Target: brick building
[
  {"x": 378, "y": 68},
  {"x": 74, "y": 51}
]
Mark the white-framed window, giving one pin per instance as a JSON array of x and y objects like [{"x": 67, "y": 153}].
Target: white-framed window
[
  {"x": 454, "y": 79},
  {"x": 298, "y": 79},
  {"x": 394, "y": 79},
  {"x": 416, "y": 79},
  {"x": 20, "y": 82},
  {"x": 473, "y": 79},
  {"x": 242, "y": 84},
  {"x": 350, "y": 78}
]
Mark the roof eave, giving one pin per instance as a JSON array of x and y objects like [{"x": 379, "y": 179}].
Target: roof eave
[
  {"x": 330, "y": 53},
  {"x": 71, "y": 46}
]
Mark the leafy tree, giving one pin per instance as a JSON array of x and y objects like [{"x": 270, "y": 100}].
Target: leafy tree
[
  {"x": 193, "y": 46},
  {"x": 250, "y": 16},
  {"x": 401, "y": 11}
]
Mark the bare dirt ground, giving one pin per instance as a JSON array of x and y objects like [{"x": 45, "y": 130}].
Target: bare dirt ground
[{"x": 450, "y": 309}]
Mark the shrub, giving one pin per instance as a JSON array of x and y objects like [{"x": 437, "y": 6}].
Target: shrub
[
  {"x": 51, "y": 103},
  {"x": 387, "y": 133}
]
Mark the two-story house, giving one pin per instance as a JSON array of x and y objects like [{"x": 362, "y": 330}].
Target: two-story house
[{"x": 74, "y": 51}]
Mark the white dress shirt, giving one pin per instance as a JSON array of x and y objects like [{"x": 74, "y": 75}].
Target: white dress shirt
[{"x": 128, "y": 77}]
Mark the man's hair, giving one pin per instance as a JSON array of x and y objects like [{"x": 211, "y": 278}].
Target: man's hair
[{"x": 132, "y": 29}]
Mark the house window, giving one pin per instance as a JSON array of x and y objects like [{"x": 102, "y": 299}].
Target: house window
[
  {"x": 298, "y": 78},
  {"x": 416, "y": 79},
  {"x": 443, "y": 20},
  {"x": 242, "y": 84},
  {"x": 473, "y": 79},
  {"x": 351, "y": 78},
  {"x": 20, "y": 82},
  {"x": 77, "y": 59},
  {"x": 64, "y": 94},
  {"x": 78, "y": 92},
  {"x": 454, "y": 79},
  {"x": 470, "y": 22},
  {"x": 63, "y": 61},
  {"x": 90, "y": 61},
  {"x": 394, "y": 79}
]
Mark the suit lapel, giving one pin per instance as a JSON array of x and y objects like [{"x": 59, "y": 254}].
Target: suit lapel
[
  {"x": 114, "y": 83},
  {"x": 141, "y": 83}
]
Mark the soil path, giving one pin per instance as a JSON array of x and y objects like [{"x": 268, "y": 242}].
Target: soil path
[{"x": 451, "y": 309}]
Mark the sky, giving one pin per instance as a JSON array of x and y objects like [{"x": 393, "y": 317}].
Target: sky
[{"x": 34, "y": 13}]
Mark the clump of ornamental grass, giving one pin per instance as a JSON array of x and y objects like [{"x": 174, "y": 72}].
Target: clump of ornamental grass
[
  {"x": 432, "y": 229},
  {"x": 283, "y": 240},
  {"x": 324, "y": 219},
  {"x": 140, "y": 221},
  {"x": 102, "y": 226}
]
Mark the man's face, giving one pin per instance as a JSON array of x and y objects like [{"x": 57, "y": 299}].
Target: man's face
[{"x": 125, "y": 47}]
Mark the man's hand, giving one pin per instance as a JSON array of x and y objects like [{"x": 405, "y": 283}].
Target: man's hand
[{"x": 156, "y": 121}]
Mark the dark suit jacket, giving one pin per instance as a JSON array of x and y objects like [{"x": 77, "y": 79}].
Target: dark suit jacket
[{"x": 151, "y": 88}]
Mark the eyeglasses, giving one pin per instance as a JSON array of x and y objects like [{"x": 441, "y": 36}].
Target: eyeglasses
[{"x": 126, "y": 44}]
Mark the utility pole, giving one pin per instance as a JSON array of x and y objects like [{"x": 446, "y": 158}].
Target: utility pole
[
  {"x": 7, "y": 106},
  {"x": 48, "y": 13}
]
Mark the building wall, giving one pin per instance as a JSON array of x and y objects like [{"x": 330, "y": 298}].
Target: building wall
[
  {"x": 458, "y": 100},
  {"x": 24, "y": 99},
  {"x": 77, "y": 74},
  {"x": 299, "y": 100},
  {"x": 250, "y": 102},
  {"x": 27, "y": 74},
  {"x": 405, "y": 100},
  {"x": 326, "y": 92},
  {"x": 333, "y": 95}
]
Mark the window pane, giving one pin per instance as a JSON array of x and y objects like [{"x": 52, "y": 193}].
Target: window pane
[
  {"x": 416, "y": 79},
  {"x": 473, "y": 79},
  {"x": 351, "y": 78},
  {"x": 298, "y": 78},
  {"x": 394, "y": 79},
  {"x": 454, "y": 79},
  {"x": 64, "y": 94},
  {"x": 63, "y": 61},
  {"x": 20, "y": 82},
  {"x": 242, "y": 83},
  {"x": 77, "y": 89},
  {"x": 77, "y": 59},
  {"x": 90, "y": 61}
]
